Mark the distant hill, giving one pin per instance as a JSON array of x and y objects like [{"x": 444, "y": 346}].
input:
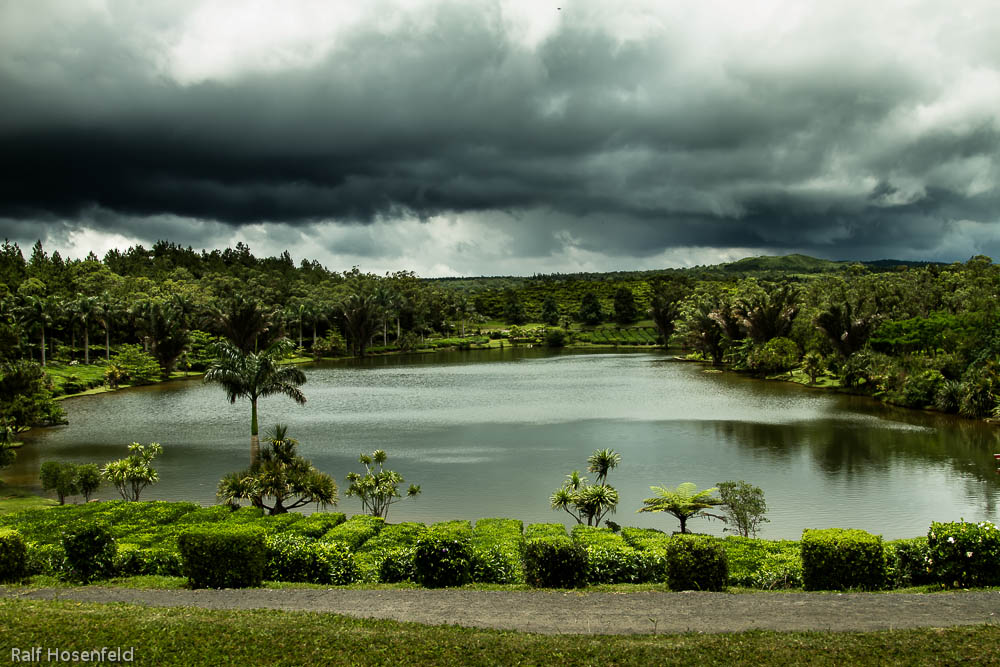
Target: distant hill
[{"x": 791, "y": 263}]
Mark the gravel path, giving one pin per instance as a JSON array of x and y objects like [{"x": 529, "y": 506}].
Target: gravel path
[{"x": 580, "y": 613}]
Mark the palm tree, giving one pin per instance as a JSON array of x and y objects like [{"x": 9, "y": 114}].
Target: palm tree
[
  {"x": 244, "y": 323},
  {"x": 602, "y": 462},
  {"x": 105, "y": 311},
  {"x": 84, "y": 312},
  {"x": 684, "y": 502},
  {"x": 253, "y": 376},
  {"x": 361, "y": 317},
  {"x": 40, "y": 310}
]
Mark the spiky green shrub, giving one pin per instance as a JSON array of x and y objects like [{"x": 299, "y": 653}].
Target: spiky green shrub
[
  {"x": 839, "y": 559},
  {"x": 396, "y": 542},
  {"x": 223, "y": 556},
  {"x": 696, "y": 562},
  {"x": 764, "y": 564}
]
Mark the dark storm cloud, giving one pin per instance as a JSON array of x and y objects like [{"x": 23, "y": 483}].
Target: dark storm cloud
[{"x": 669, "y": 137}]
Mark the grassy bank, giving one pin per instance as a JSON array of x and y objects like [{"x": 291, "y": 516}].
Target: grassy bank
[
  {"x": 185, "y": 636},
  {"x": 18, "y": 500}
]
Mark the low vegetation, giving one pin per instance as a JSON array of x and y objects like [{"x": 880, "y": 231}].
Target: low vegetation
[{"x": 209, "y": 544}]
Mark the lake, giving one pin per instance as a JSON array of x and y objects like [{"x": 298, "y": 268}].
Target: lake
[{"x": 494, "y": 433}]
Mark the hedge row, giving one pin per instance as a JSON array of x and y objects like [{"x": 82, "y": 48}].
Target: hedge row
[
  {"x": 497, "y": 551},
  {"x": 90, "y": 541}
]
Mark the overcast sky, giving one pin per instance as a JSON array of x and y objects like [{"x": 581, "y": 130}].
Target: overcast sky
[{"x": 468, "y": 138}]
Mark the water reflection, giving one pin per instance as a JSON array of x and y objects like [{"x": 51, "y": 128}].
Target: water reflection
[{"x": 494, "y": 433}]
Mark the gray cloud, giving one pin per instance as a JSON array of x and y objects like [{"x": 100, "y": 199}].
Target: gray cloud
[{"x": 850, "y": 132}]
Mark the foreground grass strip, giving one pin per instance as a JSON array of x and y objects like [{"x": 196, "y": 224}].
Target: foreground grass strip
[{"x": 186, "y": 636}]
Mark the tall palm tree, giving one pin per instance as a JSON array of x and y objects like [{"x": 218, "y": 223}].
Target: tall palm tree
[
  {"x": 84, "y": 312},
  {"x": 105, "y": 311},
  {"x": 253, "y": 376},
  {"x": 41, "y": 310}
]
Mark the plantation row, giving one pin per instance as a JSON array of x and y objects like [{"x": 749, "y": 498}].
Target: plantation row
[{"x": 219, "y": 547}]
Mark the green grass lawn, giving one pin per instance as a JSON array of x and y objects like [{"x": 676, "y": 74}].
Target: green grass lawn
[
  {"x": 17, "y": 500},
  {"x": 188, "y": 636}
]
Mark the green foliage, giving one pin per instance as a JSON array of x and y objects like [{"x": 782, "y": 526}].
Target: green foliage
[
  {"x": 909, "y": 562},
  {"x": 685, "y": 502},
  {"x": 26, "y": 397},
  {"x": 223, "y": 556},
  {"x": 838, "y": 559},
  {"x": 297, "y": 558},
  {"x": 978, "y": 391},
  {"x": 13, "y": 556},
  {"x": 280, "y": 475},
  {"x": 921, "y": 388},
  {"x": 743, "y": 506},
  {"x": 378, "y": 488},
  {"x": 394, "y": 543},
  {"x": 61, "y": 477},
  {"x": 90, "y": 551},
  {"x": 696, "y": 562},
  {"x": 443, "y": 555},
  {"x": 553, "y": 561},
  {"x": 396, "y": 565},
  {"x": 778, "y": 355},
  {"x": 45, "y": 559},
  {"x": 550, "y": 312},
  {"x": 625, "y": 310},
  {"x": 136, "y": 366},
  {"x": 330, "y": 345},
  {"x": 964, "y": 554},
  {"x": 132, "y": 560},
  {"x": 763, "y": 564},
  {"x": 135, "y": 472},
  {"x": 609, "y": 559},
  {"x": 513, "y": 310},
  {"x": 555, "y": 337},
  {"x": 652, "y": 547},
  {"x": 590, "y": 502},
  {"x": 590, "y": 309},
  {"x": 355, "y": 531},
  {"x": 317, "y": 524},
  {"x": 497, "y": 548}
]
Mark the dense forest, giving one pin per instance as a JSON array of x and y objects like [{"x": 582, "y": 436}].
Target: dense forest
[{"x": 914, "y": 334}]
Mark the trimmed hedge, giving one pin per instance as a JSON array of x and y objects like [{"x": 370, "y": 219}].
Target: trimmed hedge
[
  {"x": 443, "y": 555},
  {"x": 609, "y": 559},
  {"x": 907, "y": 561},
  {"x": 552, "y": 559},
  {"x": 90, "y": 551},
  {"x": 13, "y": 556},
  {"x": 299, "y": 558},
  {"x": 354, "y": 532},
  {"x": 223, "y": 556},
  {"x": 652, "y": 547},
  {"x": 132, "y": 560},
  {"x": 964, "y": 554},
  {"x": 394, "y": 542},
  {"x": 840, "y": 559},
  {"x": 764, "y": 564},
  {"x": 318, "y": 524},
  {"x": 497, "y": 551},
  {"x": 696, "y": 562}
]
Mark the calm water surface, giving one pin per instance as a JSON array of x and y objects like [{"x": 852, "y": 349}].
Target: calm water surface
[{"x": 490, "y": 433}]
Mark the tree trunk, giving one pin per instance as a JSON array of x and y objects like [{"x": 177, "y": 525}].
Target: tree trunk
[
  {"x": 43, "y": 346},
  {"x": 397, "y": 329},
  {"x": 314, "y": 334},
  {"x": 300, "y": 331},
  {"x": 107, "y": 344},
  {"x": 86, "y": 345},
  {"x": 254, "y": 440}
]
